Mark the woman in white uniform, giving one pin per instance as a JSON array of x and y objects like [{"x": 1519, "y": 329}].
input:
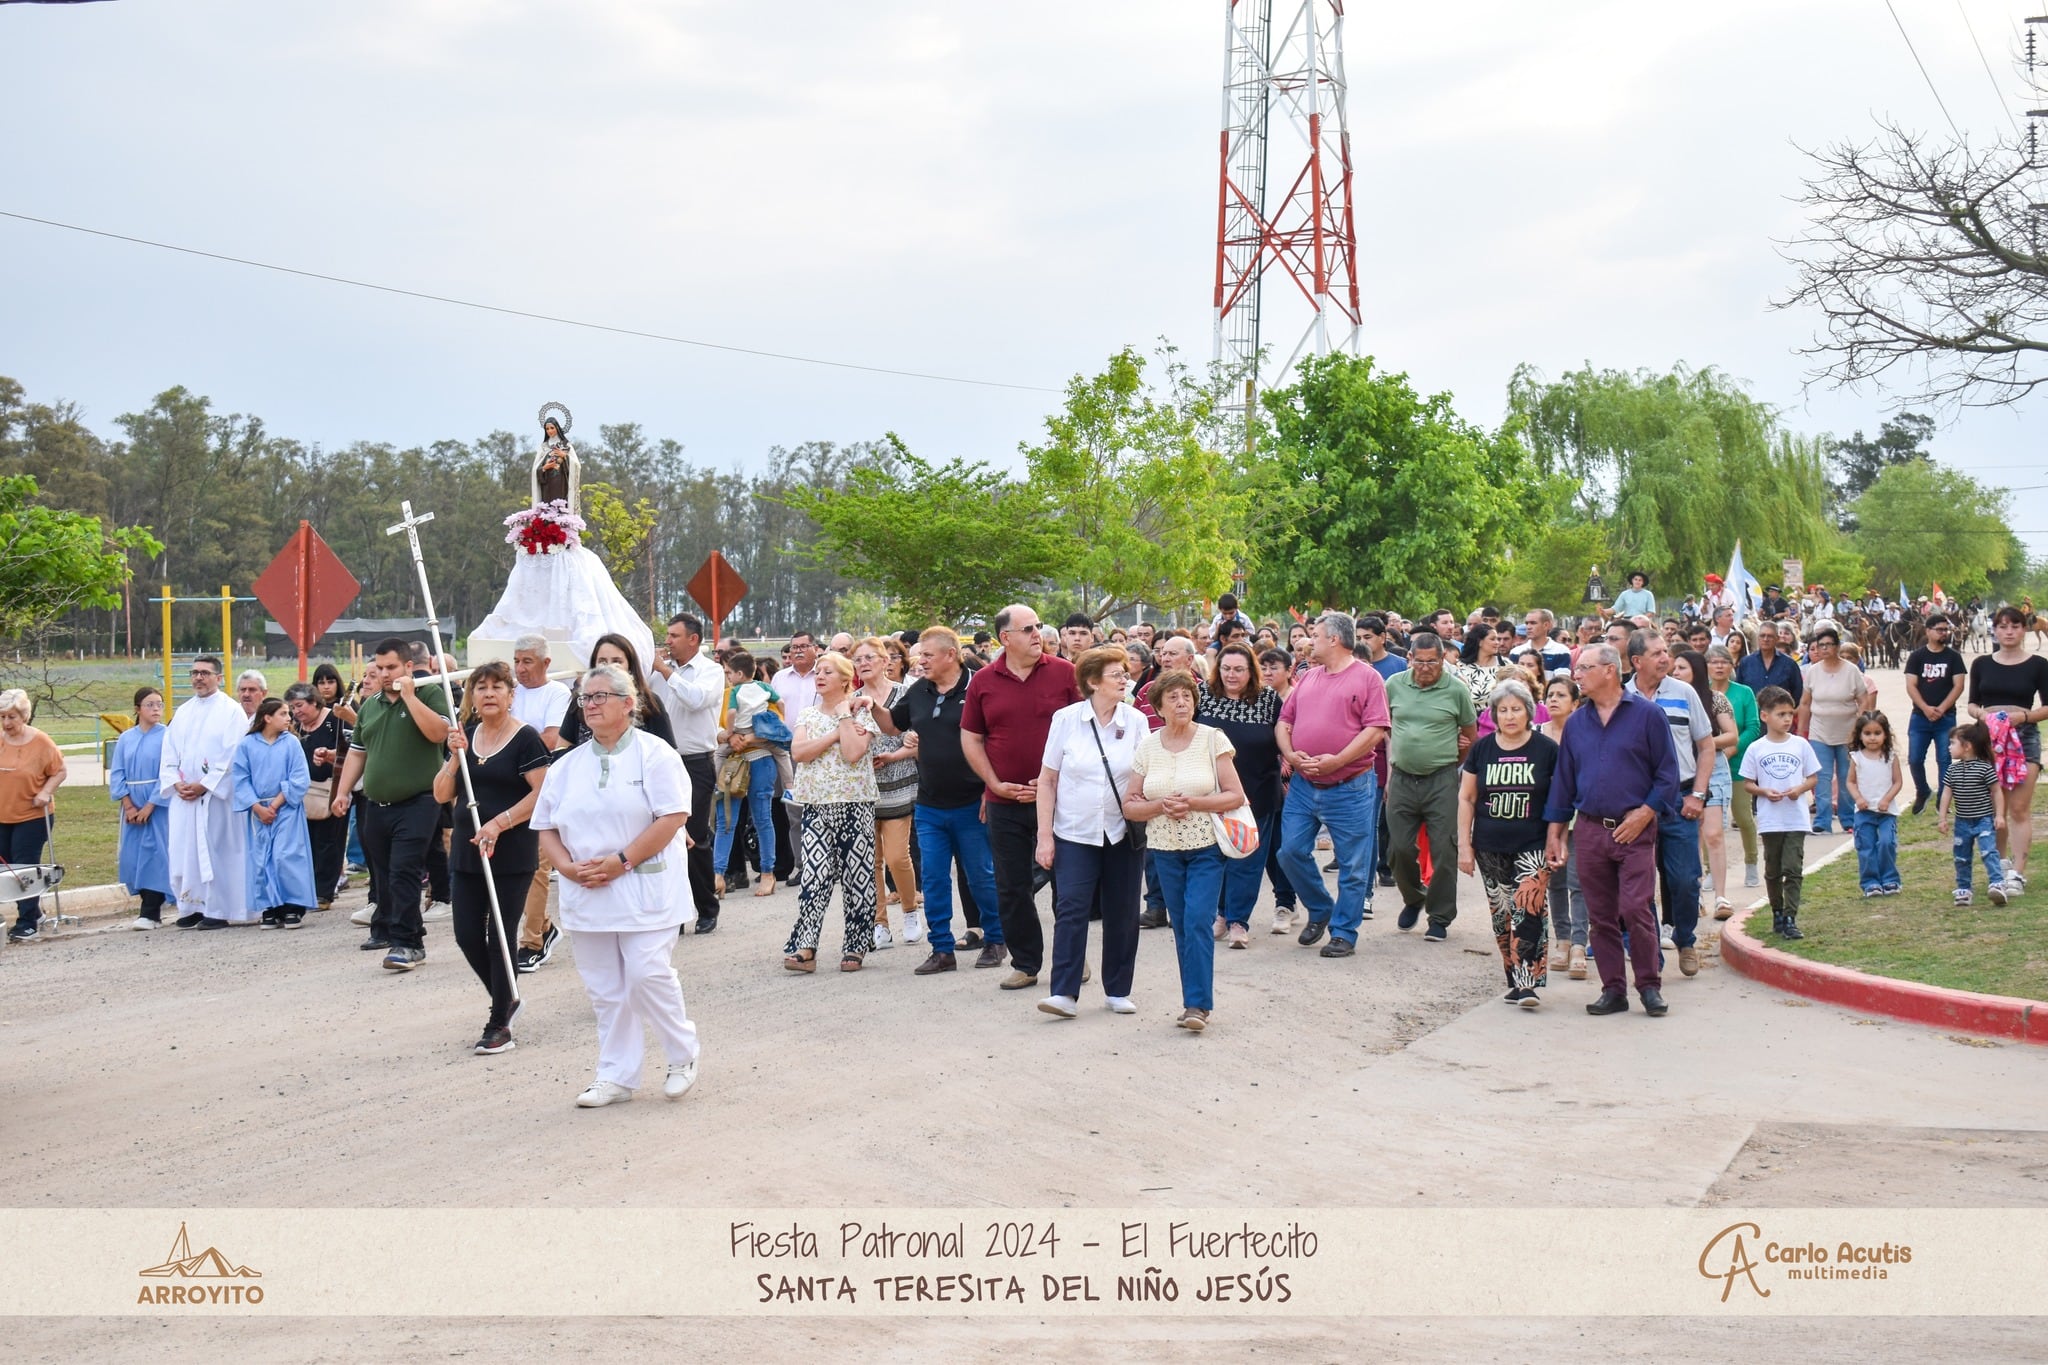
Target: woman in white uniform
[{"x": 609, "y": 817}]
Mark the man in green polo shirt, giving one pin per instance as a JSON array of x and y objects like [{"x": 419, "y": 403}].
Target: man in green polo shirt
[
  {"x": 1434, "y": 723},
  {"x": 396, "y": 750}
]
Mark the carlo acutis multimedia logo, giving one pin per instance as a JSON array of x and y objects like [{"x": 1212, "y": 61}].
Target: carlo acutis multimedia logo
[
  {"x": 206, "y": 1277},
  {"x": 1740, "y": 1253}
]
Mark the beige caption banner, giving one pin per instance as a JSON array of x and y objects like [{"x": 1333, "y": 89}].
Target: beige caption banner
[{"x": 1044, "y": 1263}]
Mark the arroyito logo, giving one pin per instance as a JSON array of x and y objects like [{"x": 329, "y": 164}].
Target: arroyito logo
[
  {"x": 219, "y": 1280},
  {"x": 1727, "y": 1257}
]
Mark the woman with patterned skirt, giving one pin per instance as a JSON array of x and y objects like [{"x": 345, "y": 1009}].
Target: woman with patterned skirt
[{"x": 1501, "y": 832}]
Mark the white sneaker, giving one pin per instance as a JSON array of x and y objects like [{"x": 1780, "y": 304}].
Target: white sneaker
[
  {"x": 364, "y": 915},
  {"x": 1061, "y": 1005},
  {"x": 882, "y": 937},
  {"x": 144, "y": 922},
  {"x": 2015, "y": 883},
  {"x": 1749, "y": 876},
  {"x": 680, "y": 1079},
  {"x": 602, "y": 1093},
  {"x": 1120, "y": 1004},
  {"x": 1667, "y": 943},
  {"x": 436, "y": 910},
  {"x": 913, "y": 927},
  {"x": 1998, "y": 893},
  {"x": 1283, "y": 921}
]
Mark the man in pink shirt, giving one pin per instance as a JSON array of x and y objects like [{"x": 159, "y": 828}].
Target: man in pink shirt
[{"x": 1331, "y": 726}]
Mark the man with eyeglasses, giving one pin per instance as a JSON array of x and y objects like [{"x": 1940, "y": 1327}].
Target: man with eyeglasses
[
  {"x": 1003, "y": 728},
  {"x": 1935, "y": 678},
  {"x": 206, "y": 839},
  {"x": 396, "y": 751}
]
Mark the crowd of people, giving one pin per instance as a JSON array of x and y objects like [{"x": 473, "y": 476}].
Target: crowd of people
[{"x": 1587, "y": 776}]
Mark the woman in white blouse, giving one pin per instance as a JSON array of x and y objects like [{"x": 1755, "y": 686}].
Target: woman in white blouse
[
  {"x": 835, "y": 784},
  {"x": 1083, "y": 837},
  {"x": 1180, "y": 776},
  {"x": 608, "y": 817}
]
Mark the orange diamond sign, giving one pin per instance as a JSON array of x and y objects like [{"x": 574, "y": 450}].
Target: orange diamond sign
[
  {"x": 719, "y": 587},
  {"x": 306, "y": 588}
]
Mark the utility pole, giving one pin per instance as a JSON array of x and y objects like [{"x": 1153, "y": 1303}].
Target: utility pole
[{"x": 1300, "y": 224}]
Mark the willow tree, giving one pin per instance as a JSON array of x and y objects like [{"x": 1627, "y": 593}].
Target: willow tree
[{"x": 1677, "y": 467}]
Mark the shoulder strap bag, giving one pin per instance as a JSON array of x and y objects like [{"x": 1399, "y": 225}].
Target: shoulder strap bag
[{"x": 1134, "y": 830}]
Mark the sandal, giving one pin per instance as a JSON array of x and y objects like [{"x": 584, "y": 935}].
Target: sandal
[
  {"x": 805, "y": 961},
  {"x": 850, "y": 963},
  {"x": 766, "y": 885}
]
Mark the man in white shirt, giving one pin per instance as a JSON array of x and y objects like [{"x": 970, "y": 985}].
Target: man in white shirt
[
  {"x": 692, "y": 685},
  {"x": 542, "y": 703},
  {"x": 209, "y": 871},
  {"x": 797, "y": 687},
  {"x": 1547, "y": 655}
]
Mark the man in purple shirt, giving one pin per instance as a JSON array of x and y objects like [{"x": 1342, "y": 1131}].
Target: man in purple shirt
[
  {"x": 1330, "y": 727},
  {"x": 1618, "y": 770}
]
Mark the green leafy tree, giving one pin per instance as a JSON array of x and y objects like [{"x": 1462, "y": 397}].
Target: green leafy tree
[
  {"x": 621, "y": 527},
  {"x": 1410, "y": 503},
  {"x": 53, "y": 562},
  {"x": 1151, "y": 507},
  {"x": 1552, "y": 568},
  {"x": 944, "y": 542},
  {"x": 1678, "y": 467},
  {"x": 1922, "y": 524}
]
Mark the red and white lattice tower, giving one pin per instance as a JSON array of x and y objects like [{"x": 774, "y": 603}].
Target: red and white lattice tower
[{"x": 1284, "y": 126}]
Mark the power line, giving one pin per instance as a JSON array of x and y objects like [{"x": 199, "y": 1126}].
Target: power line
[
  {"x": 523, "y": 313},
  {"x": 1923, "y": 68},
  {"x": 1996, "y": 92}
]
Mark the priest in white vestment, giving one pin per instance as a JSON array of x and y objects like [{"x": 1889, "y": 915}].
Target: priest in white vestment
[{"x": 207, "y": 839}]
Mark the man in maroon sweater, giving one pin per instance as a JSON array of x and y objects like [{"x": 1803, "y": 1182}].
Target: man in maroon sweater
[{"x": 1003, "y": 727}]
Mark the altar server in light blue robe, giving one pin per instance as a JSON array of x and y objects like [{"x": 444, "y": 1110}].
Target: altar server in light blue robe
[
  {"x": 145, "y": 861},
  {"x": 271, "y": 778}
]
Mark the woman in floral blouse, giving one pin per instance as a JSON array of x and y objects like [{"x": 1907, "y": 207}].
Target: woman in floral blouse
[{"x": 835, "y": 785}]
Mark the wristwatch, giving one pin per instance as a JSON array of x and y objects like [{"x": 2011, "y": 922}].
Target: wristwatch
[{"x": 625, "y": 863}]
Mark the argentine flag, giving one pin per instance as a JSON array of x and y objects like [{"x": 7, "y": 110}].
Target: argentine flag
[{"x": 1742, "y": 586}]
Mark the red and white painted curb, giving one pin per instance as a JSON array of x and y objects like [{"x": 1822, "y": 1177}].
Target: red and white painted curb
[{"x": 1994, "y": 1016}]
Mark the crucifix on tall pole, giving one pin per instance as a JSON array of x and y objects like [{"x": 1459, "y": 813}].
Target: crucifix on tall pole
[{"x": 495, "y": 926}]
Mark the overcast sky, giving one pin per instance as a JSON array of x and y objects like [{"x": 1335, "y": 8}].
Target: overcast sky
[{"x": 1004, "y": 192}]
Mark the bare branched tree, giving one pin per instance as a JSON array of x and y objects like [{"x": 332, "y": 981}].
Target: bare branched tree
[{"x": 1924, "y": 257}]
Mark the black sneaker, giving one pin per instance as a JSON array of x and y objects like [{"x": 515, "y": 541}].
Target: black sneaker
[
  {"x": 190, "y": 921},
  {"x": 375, "y": 943},
  {"x": 1529, "y": 1000},
  {"x": 404, "y": 959},
  {"x": 1609, "y": 1004},
  {"x": 292, "y": 919},
  {"x": 1515, "y": 996},
  {"x": 209, "y": 922},
  {"x": 1920, "y": 802},
  {"x": 1436, "y": 933},
  {"x": 1332, "y": 866},
  {"x": 24, "y": 933},
  {"x": 1339, "y": 947},
  {"x": 1149, "y": 918},
  {"x": 1408, "y": 917},
  {"x": 526, "y": 960},
  {"x": 273, "y": 919},
  {"x": 494, "y": 1041},
  {"x": 1386, "y": 879},
  {"x": 1365, "y": 911},
  {"x": 548, "y": 941},
  {"x": 1312, "y": 932}
]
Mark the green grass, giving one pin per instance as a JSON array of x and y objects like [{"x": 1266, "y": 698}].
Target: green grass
[
  {"x": 88, "y": 830},
  {"x": 1919, "y": 934},
  {"x": 90, "y": 687}
]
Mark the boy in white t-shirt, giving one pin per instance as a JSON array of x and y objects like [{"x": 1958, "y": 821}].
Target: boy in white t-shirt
[{"x": 1780, "y": 771}]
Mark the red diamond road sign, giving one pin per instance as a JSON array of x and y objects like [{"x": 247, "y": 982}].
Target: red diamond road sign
[{"x": 306, "y": 588}]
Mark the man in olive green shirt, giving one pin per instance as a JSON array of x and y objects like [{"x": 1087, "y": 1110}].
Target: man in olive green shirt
[
  {"x": 396, "y": 751},
  {"x": 1434, "y": 724}
]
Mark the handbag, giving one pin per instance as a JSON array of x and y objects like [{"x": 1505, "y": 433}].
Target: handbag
[
  {"x": 1237, "y": 830},
  {"x": 1134, "y": 830}
]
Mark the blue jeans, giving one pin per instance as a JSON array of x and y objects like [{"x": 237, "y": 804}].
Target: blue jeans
[
  {"x": 1834, "y": 764},
  {"x": 942, "y": 836},
  {"x": 355, "y": 836},
  {"x": 1973, "y": 837},
  {"x": 1240, "y": 890},
  {"x": 760, "y": 799},
  {"x": 1350, "y": 810},
  {"x": 1678, "y": 871},
  {"x": 1192, "y": 880},
  {"x": 1877, "y": 850},
  {"x": 1920, "y": 734}
]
